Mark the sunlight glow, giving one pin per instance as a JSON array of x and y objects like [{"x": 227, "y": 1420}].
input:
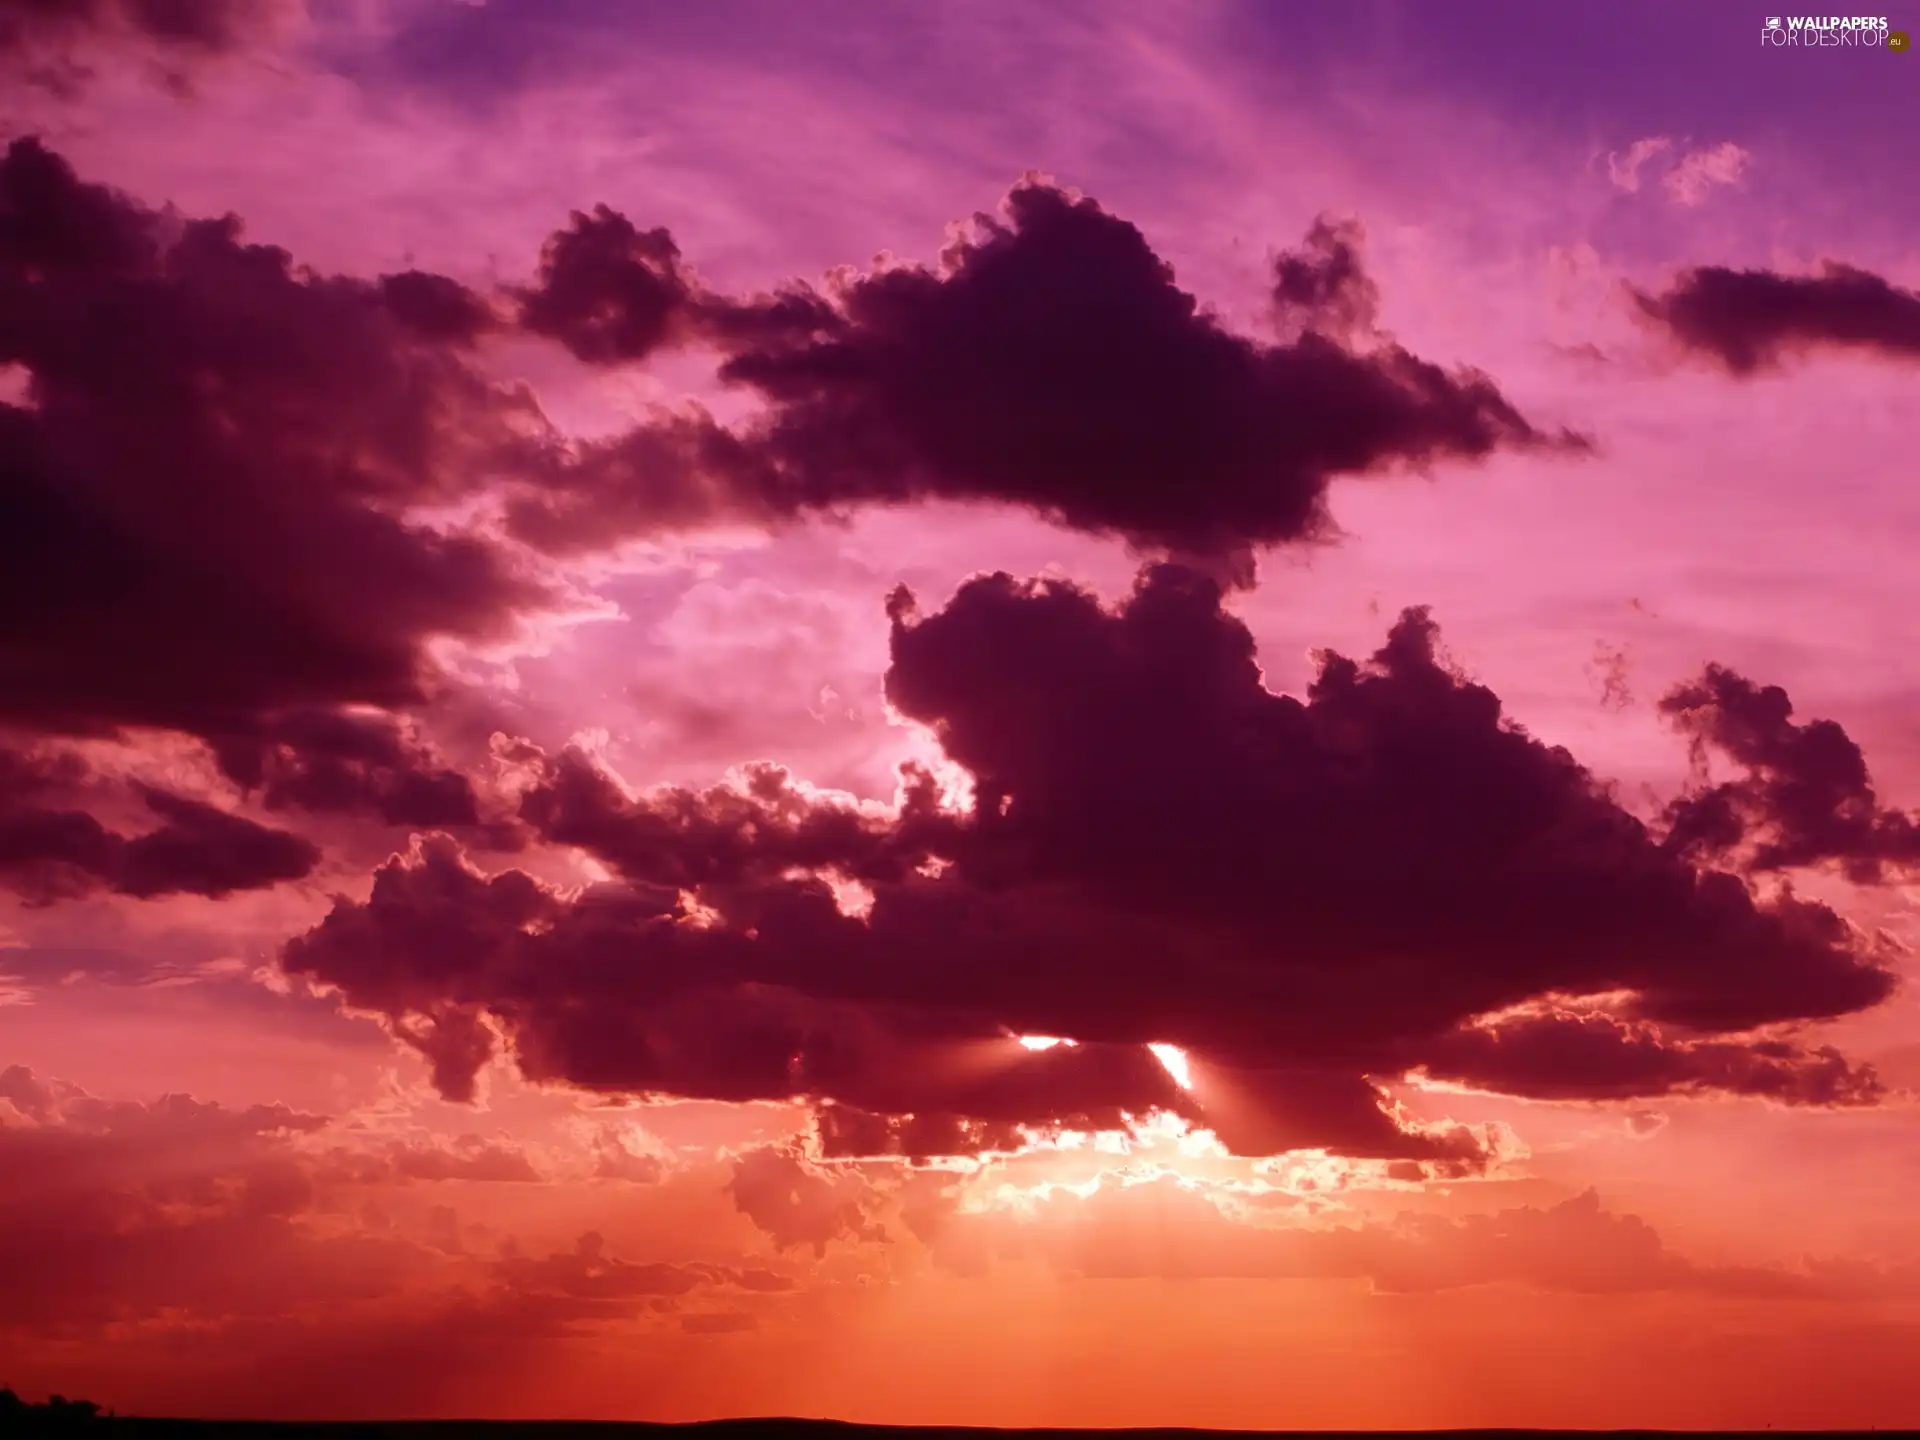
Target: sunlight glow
[
  {"x": 1045, "y": 1042},
  {"x": 1175, "y": 1061}
]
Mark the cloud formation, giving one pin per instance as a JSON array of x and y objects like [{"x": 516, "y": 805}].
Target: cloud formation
[
  {"x": 56, "y": 44},
  {"x": 1561, "y": 1053},
  {"x": 119, "y": 1212},
  {"x": 215, "y": 462},
  {"x": 1693, "y": 175},
  {"x": 220, "y": 456},
  {"x": 206, "y": 24},
  {"x": 1050, "y": 362},
  {"x": 367, "y": 763},
  {"x": 1304, "y": 895},
  {"x": 1700, "y": 172},
  {"x": 1163, "y": 1229},
  {"x": 612, "y": 294},
  {"x": 1805, "y": 797},
  {"x": 51, "y": 848},
  {"x": 1748, "y": 321},
  {"x": 1624, "y": 167}
]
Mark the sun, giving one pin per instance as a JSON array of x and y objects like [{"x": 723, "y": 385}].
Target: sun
[
  {"x": 1171, "y": 1057},
  {"x": 1174, "y": 1059}
]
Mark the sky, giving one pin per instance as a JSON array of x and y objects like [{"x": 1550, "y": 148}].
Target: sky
[{"x": 1097, "y": 714}]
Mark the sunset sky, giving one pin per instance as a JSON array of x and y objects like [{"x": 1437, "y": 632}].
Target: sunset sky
[{"x": 1130, "y": 713}]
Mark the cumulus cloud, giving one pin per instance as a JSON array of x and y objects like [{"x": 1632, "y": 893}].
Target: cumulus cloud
[
  {"x": 1144, "y": 817},
  {"x": 1050, "y": 362},
  {"x": 1804, "y": 798},
  {"x": 1558, "y": 1053},
  {"x": 1306, "y": 895},
  {"x": 368, "y": 763},
  {"x": 215, "y": 464},
  {"x": 1324, "y": 286},
  {"x": 220, "y": 456},
  {"x": 799, "y": 1204},
  {"x": 50, "y": 849},
  {"x": 211, "y": 484},
  {"x": 1748, "y": 321},
  {"x": 612, "y": 293}
]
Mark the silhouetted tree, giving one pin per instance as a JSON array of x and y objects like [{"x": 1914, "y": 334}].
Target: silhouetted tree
[{"x": 21, "y": 1417}]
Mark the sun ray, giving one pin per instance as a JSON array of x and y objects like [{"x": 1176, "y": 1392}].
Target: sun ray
[{"x": 1175, "y": 1061}]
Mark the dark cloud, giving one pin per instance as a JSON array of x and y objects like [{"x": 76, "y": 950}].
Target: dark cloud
[
  {"x": 1805, "y": 797},
  {"x": 842, "y": 1132},
  {"x": 1324, "y": 285},
  {"x": 1393, "y": 817},
  {"x": 50, "y": 849},
  {"x": 296, "y": 425},
  {"x": 38, "y": 775},
  {"x": 201, "y": 850},
  {"x": 53, "y": 43},
  {"x": 613, "y": 294},
  {"x": 365, "y": 763},
  {"x": 756, "y": 830},
  {"x": 607, "y": 290},
  {"x": 1051, "y": 362},
  {"x": 437, "y": 308},
  {"x": 1750, "y": 320},
  {"x": 676, "y": 472},
  {"x": 1561, "y": 1055},
  {"x": 204, "y": 500},
  {"x": 199, "y": 24},
  {"x": 647, "y": 997},
  {"x": 1306, "y": 895}
]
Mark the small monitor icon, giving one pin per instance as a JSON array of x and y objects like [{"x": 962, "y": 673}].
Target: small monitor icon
[{"x": 1773, "y": 22}]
